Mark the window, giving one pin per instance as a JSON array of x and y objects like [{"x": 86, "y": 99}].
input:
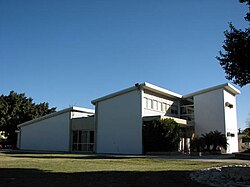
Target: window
[
  {"x": 155, "y": 105},
  {"x": 145, "y": 102},
  {"x": 164, "y": 107},
  {"x": 83, "y": 140},
  {"x": 159, "y": 106},
  {"x": 150, "y": 104}
]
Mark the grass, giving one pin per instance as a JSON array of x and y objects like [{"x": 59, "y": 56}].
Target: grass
[{"x": 92, "y": 170}]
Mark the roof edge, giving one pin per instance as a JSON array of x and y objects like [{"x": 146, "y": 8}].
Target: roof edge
[
  {"x": 114, "y": 94},
  {"x": 138, "y": 86},
  {"x": 226, "y": 86},
  {"x": 161, "y": 90}
]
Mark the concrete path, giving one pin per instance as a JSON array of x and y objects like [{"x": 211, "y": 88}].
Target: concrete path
[{"x": 206, "y": 158}]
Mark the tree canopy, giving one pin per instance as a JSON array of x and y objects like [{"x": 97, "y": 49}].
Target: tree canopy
[
  {"x": 16, "y": 109},
  {"x": 235, "y": 60}
]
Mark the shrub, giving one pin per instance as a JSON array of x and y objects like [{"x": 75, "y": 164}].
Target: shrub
[{"x": 212, "y": 141}]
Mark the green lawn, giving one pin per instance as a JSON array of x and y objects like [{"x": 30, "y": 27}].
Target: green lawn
[{"x": 91, "y": 170}]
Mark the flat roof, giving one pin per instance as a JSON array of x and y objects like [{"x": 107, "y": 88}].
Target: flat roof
[
  {"x": 228, "y": 87},
  {"x": 70, "y": 109},
  {"x": 145, "y": 85}
]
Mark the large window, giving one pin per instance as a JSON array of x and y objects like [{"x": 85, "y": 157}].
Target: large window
[
  {"x": 162, "y": 106},
  {"x": 83, "y": 141}
]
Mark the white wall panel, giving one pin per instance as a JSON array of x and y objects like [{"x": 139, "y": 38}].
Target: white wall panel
[
  {"x": 119, "y": 124},
  {"x": 51, "y": 134},
  {"x": 231, "y": 122},
  {"x": 209, "y": 112}
]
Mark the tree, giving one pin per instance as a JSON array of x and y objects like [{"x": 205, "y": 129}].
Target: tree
[
  {"x": 161, "y": 135},
  {"x": 16, "y": 109},
  {"x": 236, "y": 57}
]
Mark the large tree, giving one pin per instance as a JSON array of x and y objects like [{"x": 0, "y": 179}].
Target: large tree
[
  {"x": 16, "y": 109},
  {"x": 235, "y": 60}
]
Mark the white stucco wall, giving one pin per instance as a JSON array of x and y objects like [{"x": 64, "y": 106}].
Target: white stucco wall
[
  {"x": 51, "y": 134},
  {"x": 119, "y": 124},
  {"x": 231, "y": 122},
  {"x": 209, "y": 112}
]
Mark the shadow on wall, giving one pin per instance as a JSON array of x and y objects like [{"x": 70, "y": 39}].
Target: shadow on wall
[{"x": 34, "y": 177}]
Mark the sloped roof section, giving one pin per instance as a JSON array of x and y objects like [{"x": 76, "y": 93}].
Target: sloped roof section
[
  {"x": 160, "y": 90},
  {"x": 228, "y": 87},
  {"x": 70, "y": 109},
  {"x": 138, "y": 86}
]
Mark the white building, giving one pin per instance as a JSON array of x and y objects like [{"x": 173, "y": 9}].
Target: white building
[
  {"x": 117, "y": 125},
  {"x": 119, "y": 116},
  {"x": 59, "y": 131}
]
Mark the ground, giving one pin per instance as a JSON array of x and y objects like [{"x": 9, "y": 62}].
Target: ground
[{"x": 25, "y": 169}]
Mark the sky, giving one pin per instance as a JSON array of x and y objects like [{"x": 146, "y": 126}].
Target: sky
[{"x": 71, "y": 52}]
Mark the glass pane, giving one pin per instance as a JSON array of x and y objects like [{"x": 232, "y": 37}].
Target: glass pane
[
  {"x": 91, "y": 137},
  {"x": 74, "y": 148},
  {"x": 145, "y": 102},
  {"x": 84, "y": 137},
  {"x": 79, "y": 147},
  {"x": 74, "y": 136},
  {"x": 79, "y": 137},
  {"x": 155, "y": 106},
  {"x": 84, "y": 147}
]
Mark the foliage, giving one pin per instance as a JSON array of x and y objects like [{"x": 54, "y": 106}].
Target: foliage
[
  {"x": 215, "y": 139},
  {"x": 236, "y": 59},
  {"x": 246, "y": 136},
  {"x": 246, "y": 131},
  {"x": 161, "y": 135},
  {"x": 16, "y": 109},
  {"x": 211, "y": 142}
]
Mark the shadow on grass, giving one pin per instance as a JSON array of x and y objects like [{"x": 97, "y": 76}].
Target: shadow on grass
[
  {"x": 34, "y": 177},
  {"x": 63, "y": 155},
  {"x": 70, "y": 157},
  {"x": 51, "y": 155}
]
